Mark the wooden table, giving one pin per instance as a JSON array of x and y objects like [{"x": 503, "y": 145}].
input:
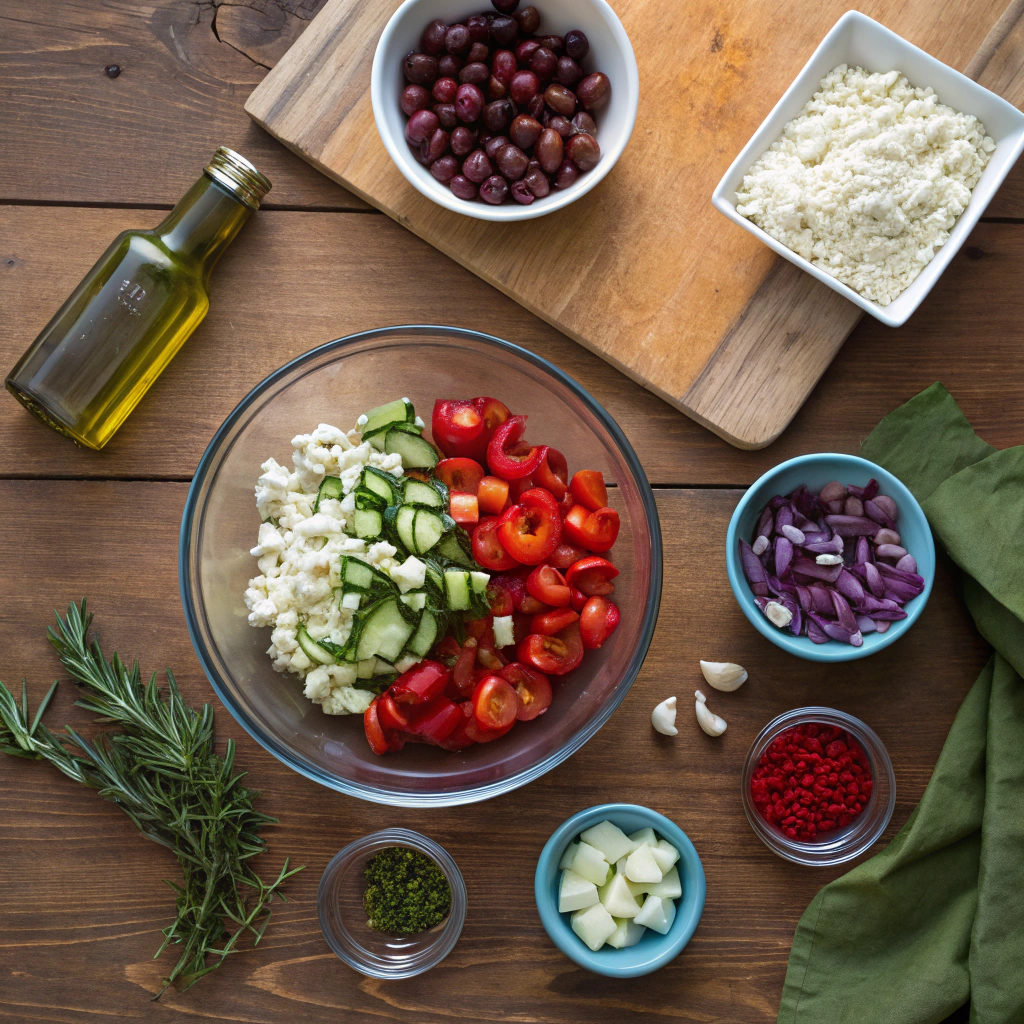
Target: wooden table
[{"x": 81, "y": 896}]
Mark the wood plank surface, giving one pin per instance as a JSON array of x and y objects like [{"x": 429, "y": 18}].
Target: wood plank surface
[
  {"x": 82, "y": 896},
  {"x": 699, "y": 312},
  {"x": 295, "y": 280}
]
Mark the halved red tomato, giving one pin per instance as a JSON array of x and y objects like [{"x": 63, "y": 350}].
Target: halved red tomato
[
  {"x": 598, "y": 620},
  {"x": 531, "y": 529},
  {"x": 495, "y": 703},
  {"x": 490, "y": 658},
  {"x": 462, "y": 475},
  {"x": 464, "y": 508},
  {"x": 565, "y": 555},
  {"x": 500, "y": 600},
  {"x": 592, "y": 575},
  {"x": 532, "y": 688},
  {"x": 493, "y": 413},
  {"x": 553, "y": 655},
  {"x": 462, "y": 673},
  {"x": 553, "y": 473},
  {"x": 547, "y": 584},
  {"x": 554, "y": 621},
  {"x": 509, "y": 459},
  {"x": 478, "y": 734},
  {"x": 458, "y": 429},
  {"x": 492, "y": 495},
  {"x": 595, "y": 531},
  {"x": 589, "y": 490},
  {"x": 577, "y": 599},
  {"x": 488, "y": 549}
]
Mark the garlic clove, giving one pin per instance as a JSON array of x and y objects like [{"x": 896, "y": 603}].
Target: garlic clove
[
  {"x": 706, "y": 718},
  {"x": 778, "y": 614},
  {"x": 724, "y": 675},
  {"x": 663, "y": 717}
]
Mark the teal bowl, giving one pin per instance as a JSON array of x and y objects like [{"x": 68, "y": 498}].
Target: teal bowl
[
  {"x": 653, "y": 951},
  {"x": 815, "y": 471}
]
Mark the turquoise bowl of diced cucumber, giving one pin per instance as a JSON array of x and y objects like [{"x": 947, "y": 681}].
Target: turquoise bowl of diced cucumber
[{"x": 604, "y": 843}]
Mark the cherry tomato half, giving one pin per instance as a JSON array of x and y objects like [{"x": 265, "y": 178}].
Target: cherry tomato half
[
  {"x": 490, "y": 658},
  {"x": 493, "y": 413},
  {"x": 553, "y": 473},
  {"x": 500, "y": 600},
  {"x": 464, "y": 508},
  {"x": 495, "y": 703},
  {"x": 488, "y": 549},
  {"x": 462, "y": 673},
  {"x": 592, "y": 575},
  {"x": 577, "y": 599},
  {"x": 554, "y": 621},
  {"x": 514, "y": 585},
  {"x": 532, "y": 529},
  {"x": 458, "y": 429},
  {"x": 532, "y": 688},
  {"x": 478, "y": 734},
  {"x": 595, "y": 531},
  {"x": 462, "y": 475},
  {"x": 598, "y": 621},
  {"x": 509, "y": 459},
  {"x": 589, "y": 490},
  {"x": 565, "y": 555},
  {"x": 553, "y": 655},
  {"x": 547, "y": 584},
  {"x": 492, "y": 495}
]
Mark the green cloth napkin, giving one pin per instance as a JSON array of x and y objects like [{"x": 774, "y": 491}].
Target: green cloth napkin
[{"x": 937, "y": 918}]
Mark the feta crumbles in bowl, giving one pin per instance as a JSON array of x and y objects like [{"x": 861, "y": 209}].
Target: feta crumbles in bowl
[{"x": 333, "y": 385}]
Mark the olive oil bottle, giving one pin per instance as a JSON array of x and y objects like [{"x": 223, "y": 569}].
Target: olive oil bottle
[{"x": 124, "y": 323}]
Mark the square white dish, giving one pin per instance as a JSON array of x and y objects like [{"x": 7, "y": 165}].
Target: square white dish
[{"x": 857, "y": 40}]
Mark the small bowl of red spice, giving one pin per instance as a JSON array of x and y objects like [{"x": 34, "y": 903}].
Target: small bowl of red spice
[{"x": 818, "y": 786}]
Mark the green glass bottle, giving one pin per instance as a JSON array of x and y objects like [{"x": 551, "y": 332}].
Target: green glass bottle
[{"x": 124, "y": 323}]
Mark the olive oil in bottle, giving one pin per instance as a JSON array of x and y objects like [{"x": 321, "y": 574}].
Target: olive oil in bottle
[{"x": 124, "y": 323}]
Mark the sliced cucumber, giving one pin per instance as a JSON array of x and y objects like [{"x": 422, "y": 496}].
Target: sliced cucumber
[
  {"x": 377, "y": 437},
  {"x": 417, "y": 600},
  {"x": 405, "y": 520},
  {"x": 385, "y": 631},
  {"x": 416, "y": 492},
  {"x": 450, "y": 548},
  {"x": 368, "y": 523},
  {"x": 425, "y": 636},
  {"x": 330, "y": 487},
  {"x": 384, "y": 485},
  {"x": 398, "y": 411},
  {"x": 416, "y": 452},
  {"x": 457, "y": 589},
  {"x": 356, "y": 574},
  {"x": 427, "y": 530},
  {"x": 435, "y": 576},
  {"x": 478, "y": 581},
  {"x": 317, "y": 654}
]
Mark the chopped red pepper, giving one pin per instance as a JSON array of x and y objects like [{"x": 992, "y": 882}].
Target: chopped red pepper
[
  {"x": 437, "y": 721},
  {"x": 421, "y": 684},
  {"x": 509, "y": 459}
]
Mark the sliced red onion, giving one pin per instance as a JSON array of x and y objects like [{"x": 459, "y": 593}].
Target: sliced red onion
[
  {"x": 874, "y": 579},
  {"x": 752, "y": 567},
  {"x": 821, "y": 601},
  {"x": 849, "y": 586},
  {"x": 836, "y": 507},
  {"x": 844, "y": 613},
  {"x": 857, "y": 492},
  {"x": 783, "y": 518},
  {"x": 866, "y": 625},
  {"x": 895, "y": 573},
  {"x": 897, "y": 590},
  {"x": 882, "y": 625},
  {"x": 783, "y": 554},
  {"x": 862, "y": 552},
  {"x": 803, "y": 595},
  {"x": 908, "y": 563},
  {"x": 890, "y": 551},
  {"x": 852, "y": 526},
  {"x": 836, "y": 631},
  {"x": 765, "y": 523},
  {"x": 827, "y": 547},
  {"x": 888, "y": 506},
  {"x": 777, "y": 502},
  {"x": 805, "y": 567},
  {"x": 870, "y": 490},
  {"x": 815, "y": 633},
  {"x": 875, "y": 511},
  {"x": 881, "y": 609}
]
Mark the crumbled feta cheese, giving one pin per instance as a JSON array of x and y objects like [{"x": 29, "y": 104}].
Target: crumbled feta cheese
[
  {"x": 503, "y": 631},
  {"x": 410, "y": 575}
]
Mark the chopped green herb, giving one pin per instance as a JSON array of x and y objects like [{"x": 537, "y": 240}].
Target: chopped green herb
[{"x": 406, "y": 892}]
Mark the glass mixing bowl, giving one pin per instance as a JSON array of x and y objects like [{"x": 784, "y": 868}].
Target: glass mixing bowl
[{"x": 334, "y": 384}]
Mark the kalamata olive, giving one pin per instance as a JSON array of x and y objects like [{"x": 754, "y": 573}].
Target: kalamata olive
[
  {"x": 420, "y": 126},
  {"x": 512, "y": 162},
  {"x": 567, "y": 174},
  {"x": 469, "y": 101},
  {"x": 444, "y": 90},
  {"x": 497, "y": 115},
  {"x": 535, "y": 106},
  {"x": 414, "y": 97},
  {"x": 421, "y": 69},
  {"x": 583, "y": 122},
  {"x": 432, "y": 40},
  {"x": 558, "y": 124},
  {"x": 549, "y": 150},
  {"x": 494, "y": 145},
  {"x": 478, "y": 53},
  {"x": 521, "y": 193},
  {"x": 462, "y": 187},
  {"x": 568, "y": 72},
  {"x": 449, "y": 66},
  {"x": 523, "y": 87},
  {"x": 445, "y": 169},
  {"x": 504, "y": 6},
  {"x": 476, "y": 166},
  {"x": 479, "y": 28},
  {"x": 446, "y": 115},
  {"x": 475, "y": 73},
  {"x": 494, "y": 190},
  {"x": 583, "y": 151},
  {"x": 503, "y": 65},
  {"x": 536, "y": 180},
  {"x": 458, "y": 39},
  {"x": 593, "y": 91},
  {"x": 529, "y": 19},
  {"x": 525, "y": 130},
  {"x": 496, "y": 90},
  {"x": 560, "y": 99},
  {"x": 435, "y": 147},
  {"x": 577, "y": 45},
  {"x": 462, "y": 141},
  {"x": 554, "y": 43},
  {"x": 504, "y": 30},
  {"x": 543, "y": 63},
  {"x": 525, "y": 50}
]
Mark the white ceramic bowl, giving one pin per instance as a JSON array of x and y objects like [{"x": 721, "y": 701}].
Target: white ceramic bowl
[
  {"x": 610, "y": 52},
  {"x": 857, "y": 40}
]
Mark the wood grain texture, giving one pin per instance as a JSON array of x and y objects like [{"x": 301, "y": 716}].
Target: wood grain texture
[
  {"x": 82, "y": 899},
  {"x": 694, "y": 309},
  {"x": 295, "y": 280}
]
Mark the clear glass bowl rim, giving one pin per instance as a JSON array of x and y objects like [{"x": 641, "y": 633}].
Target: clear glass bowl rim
[
  {"x": 354, "y": 954},
  {"x": 854, "y": 841},
  {"x": 484, "y": 791}
]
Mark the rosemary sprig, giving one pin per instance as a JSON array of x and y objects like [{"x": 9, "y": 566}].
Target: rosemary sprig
[{"x": 160, "y": 768}]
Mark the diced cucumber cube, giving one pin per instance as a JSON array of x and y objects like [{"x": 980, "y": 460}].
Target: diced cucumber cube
[
  {"x": 593, "y": 926},
  {"x": 504, "y": 631},
  {"x": 478, "y": 581},
  {"x": 352, "y": 600},
  {"x": 456, "y": 589},
  {"x": 419, "y": 493},
  {"x": 590, "y": 863},
  {"x": 656, "y": 914},
  {"x": 617, "y": 898},
  {"x": 610, "y": 840},
  {"x": 665, "y": 854},
  {"x": 366, "y": 668},
  {"x": 669, "y": 888},
  {"x": 627, "y": 933},
  {"x": 645, "y": 837},
  {"x": 368, "y": 523},
  {"x": 416, "y": 452},
  {"x": 398, "y": 411},
  {"x": 641, "y": 865},
  {"x": 575, "y": 893}
]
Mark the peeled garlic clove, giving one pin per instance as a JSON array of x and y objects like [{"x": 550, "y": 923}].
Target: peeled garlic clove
[
  {"x": 707, "y": 719},
  {"x": 779, "y": 614},
  {"x": 663, "y": 717},
  {"x": 724, "y": 675}
]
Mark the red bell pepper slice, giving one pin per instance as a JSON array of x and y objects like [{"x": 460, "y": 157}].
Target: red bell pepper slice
[
  {"x": 421, "y": 684},
  {"x": 509, "y": 459}
]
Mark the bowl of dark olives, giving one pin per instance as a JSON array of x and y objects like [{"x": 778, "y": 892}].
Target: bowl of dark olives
[{"x": 506, "y": 111}]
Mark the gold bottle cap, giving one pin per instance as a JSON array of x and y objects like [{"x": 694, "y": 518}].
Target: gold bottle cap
[{"x": 238, "y": 176}]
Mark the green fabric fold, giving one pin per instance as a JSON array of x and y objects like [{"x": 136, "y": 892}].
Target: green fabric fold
[{"x": 937, "y": 918}]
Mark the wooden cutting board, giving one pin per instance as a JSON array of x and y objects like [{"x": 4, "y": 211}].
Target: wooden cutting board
[{"x": 642, "y": 270}]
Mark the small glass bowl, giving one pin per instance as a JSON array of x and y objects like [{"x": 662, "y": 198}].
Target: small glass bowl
[
  {"x": 343, "y": 919},
  {"x": 863, "y": 831}
]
